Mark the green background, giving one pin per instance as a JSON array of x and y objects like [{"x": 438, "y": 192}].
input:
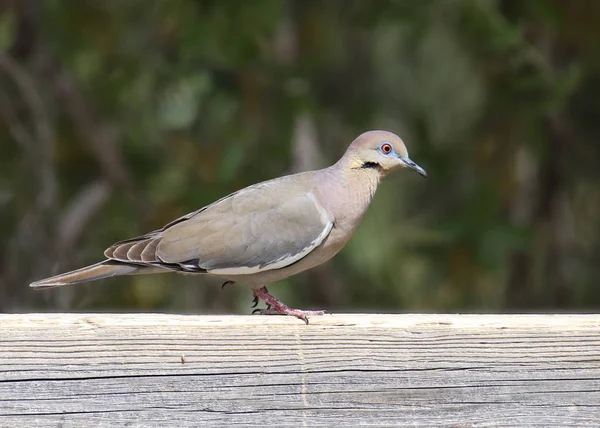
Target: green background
[{"x": 119, "y": 116}]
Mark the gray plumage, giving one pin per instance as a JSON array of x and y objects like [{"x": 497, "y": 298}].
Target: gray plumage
[{"x": 265, "y": 232}]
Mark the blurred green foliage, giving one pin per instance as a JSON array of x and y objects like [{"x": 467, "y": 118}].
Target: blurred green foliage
[{"x": 119, "y": 116}]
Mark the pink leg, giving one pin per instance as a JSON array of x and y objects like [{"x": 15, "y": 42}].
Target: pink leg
[{"x": 278, "y": 308}]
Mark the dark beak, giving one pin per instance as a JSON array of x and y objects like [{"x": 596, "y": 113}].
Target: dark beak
[{"x": 410, "y": 164}]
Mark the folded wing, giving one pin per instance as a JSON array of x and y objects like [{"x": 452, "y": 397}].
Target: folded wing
[{"x": 247, "y": 232}]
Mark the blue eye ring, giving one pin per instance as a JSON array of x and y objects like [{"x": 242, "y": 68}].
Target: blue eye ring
[{"x": 386, "y": 148}]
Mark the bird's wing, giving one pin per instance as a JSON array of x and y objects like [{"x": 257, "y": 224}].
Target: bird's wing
[{"x": 260, "y": 228}]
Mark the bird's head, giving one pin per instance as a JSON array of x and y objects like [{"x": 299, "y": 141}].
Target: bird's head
[{"x": 380, "y": 150}]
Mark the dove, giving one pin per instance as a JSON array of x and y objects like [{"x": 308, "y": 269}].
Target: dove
[{"x": 263, "y": 233}]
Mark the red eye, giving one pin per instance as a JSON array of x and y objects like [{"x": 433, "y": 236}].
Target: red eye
[{"x": 386, "y": 148}]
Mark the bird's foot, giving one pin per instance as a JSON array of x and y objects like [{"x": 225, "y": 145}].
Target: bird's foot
[
  {"x": 275, "y": 307},
  {"x": 298, "y": 313}
]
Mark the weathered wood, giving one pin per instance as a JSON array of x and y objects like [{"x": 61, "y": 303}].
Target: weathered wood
[{"x": 101, "y": 370}]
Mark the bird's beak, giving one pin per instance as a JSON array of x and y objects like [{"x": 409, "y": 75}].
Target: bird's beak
[{"x": 410, "y": 164}]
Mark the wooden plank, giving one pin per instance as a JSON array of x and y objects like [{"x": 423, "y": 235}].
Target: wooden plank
[{"x": 149, "y": 370}]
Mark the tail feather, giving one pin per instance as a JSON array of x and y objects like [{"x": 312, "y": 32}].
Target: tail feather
[{"x": 100, "y": 270}]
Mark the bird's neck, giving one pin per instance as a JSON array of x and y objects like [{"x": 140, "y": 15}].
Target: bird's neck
[
  {"x": 366, "y": 176},
  {"x": 354, "y": 188}
]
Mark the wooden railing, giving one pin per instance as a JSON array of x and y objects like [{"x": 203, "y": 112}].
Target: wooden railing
[{"x": 149, "y": 370}]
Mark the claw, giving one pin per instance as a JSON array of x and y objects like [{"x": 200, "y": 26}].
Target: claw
[
  {"x": 255, "y": 302},
  {"x": 227, "y": 283},
  {"x": 275, "y": 307}
]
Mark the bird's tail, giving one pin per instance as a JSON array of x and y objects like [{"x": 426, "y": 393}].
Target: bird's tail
[{"x": 100, "y": 270}]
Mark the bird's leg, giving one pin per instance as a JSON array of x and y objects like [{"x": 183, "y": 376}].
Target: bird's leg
[{"x": 275, "y": 307}]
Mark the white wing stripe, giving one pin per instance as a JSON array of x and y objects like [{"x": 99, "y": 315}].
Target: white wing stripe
[{"x": 286, "y": 259}]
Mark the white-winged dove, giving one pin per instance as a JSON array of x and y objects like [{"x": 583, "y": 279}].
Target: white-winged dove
[{"x": 265, "y": 232}]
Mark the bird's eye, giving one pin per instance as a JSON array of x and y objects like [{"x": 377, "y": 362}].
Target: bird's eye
[{"x": 386, "y": 148}]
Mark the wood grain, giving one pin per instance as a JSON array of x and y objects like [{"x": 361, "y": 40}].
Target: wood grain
[{"x": 149, "y": 370}]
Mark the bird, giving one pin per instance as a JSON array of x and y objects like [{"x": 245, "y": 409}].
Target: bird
[{"x": 265, "y": 232}]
